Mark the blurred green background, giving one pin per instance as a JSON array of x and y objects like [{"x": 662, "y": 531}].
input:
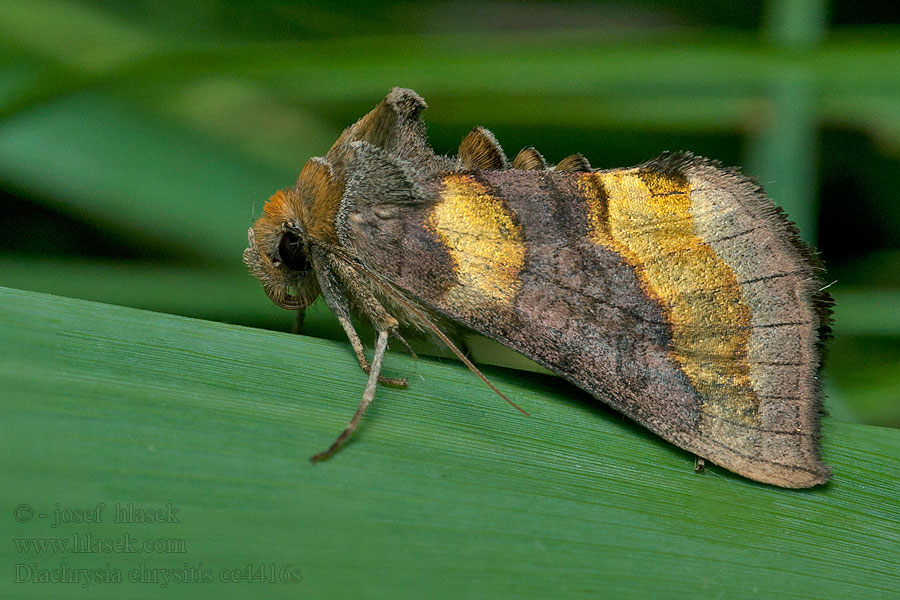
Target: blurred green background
[{"x": 138, "y": 141}]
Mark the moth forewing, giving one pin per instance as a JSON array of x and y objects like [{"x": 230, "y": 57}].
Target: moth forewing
[{"x": 673, "y": 291}]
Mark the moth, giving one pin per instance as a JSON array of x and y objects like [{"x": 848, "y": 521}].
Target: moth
[{"x": 674, "y": 291}]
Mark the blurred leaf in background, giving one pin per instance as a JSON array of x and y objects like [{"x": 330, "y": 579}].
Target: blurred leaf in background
[{"x": 138, "y": 141}]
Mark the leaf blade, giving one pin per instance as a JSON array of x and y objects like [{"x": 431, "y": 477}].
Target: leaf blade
[{"x": 443, "y": 486}]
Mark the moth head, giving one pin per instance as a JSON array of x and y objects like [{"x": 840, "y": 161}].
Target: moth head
[{"x": 278, "y": 253}]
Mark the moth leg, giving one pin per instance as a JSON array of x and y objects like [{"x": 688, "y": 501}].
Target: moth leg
[
  {"x": 699, "y": 465},
  {"x": 403, "y": 341},
  {"x": 369, "y": 304},
  {"x": 368, "y": 395},
  {"x": 360, "y": 352},
  {"x": 297, "y": 327},
  {"x": 336, "y": 300}
]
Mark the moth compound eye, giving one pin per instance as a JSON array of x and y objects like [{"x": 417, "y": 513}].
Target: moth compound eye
[{"x": 291, "y": 252}]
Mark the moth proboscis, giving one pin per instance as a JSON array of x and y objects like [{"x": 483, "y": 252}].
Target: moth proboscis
[{"x": 675, "y": 291}]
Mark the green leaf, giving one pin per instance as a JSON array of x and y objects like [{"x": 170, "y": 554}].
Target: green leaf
[
  {"x": 444, "y": 489},
  {"x": 101, "y": 160}
]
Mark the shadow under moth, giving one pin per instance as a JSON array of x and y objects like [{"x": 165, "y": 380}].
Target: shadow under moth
[{"x": 674, "y": 291}]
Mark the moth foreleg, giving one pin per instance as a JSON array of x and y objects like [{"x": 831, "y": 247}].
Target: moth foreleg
[
  {"x": 360, "y": 352},
  {"x": 297, "y": 327},
  {"x": 368, "y": 303},
  {"x": 368, "y": 395},
  {"x": 336, "y": 299}
]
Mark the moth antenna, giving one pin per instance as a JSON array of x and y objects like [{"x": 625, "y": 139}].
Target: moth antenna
[
  {"x": 574, "y": 163},
  {"x": 431, "y": 325},
  {"x": 529, "y": 159},
  {"x": 480, "y": 151}
]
